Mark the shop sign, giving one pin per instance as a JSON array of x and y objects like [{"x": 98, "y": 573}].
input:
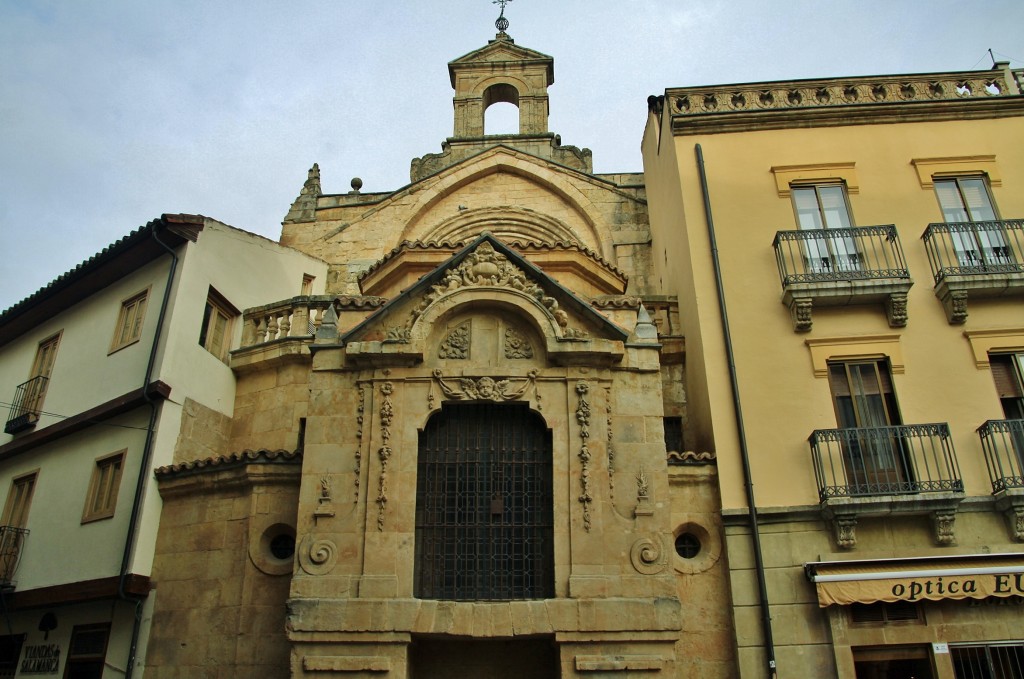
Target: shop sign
[
  {"x": 41, "y": 659},
  {"x": 867, "y": 582}
]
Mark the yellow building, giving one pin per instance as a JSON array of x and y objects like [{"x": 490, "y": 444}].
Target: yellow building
[{"x": 850, "y": 279}]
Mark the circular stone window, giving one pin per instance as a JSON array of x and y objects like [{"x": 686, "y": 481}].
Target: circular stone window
[
  {"x": 687, "y": 545},
  {"x": 282, "y": 546},
  {"x": 274, "y": 551},
  {"x": 697, "y": 548}
]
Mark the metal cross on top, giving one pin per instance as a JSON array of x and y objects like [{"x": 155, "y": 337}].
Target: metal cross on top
[{"x": 502, "y": 23}]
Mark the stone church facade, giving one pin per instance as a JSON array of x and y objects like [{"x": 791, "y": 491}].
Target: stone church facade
[{"x": 467, "y": 457}]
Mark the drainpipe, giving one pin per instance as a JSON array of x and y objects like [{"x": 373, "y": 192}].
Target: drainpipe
[
  {"x": 766, "y": 618},
  {"x": 147, "y": 454}
]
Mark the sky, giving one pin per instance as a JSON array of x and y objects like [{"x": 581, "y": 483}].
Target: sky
[{"x": 113, "y": 112}]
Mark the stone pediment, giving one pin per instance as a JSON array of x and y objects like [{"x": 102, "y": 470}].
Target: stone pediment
[
  {"x": 502, "y": 49},
  {"x": 573, "y": 265},
  {"x": 489, "y": 277}
]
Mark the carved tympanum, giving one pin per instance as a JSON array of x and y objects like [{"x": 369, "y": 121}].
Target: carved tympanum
[{"x": 485, "y": 267}]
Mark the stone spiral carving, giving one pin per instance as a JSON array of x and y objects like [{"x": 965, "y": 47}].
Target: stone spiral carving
[
  {"x": 648, "y": 555},
  {"x": 317, "y": 556}
]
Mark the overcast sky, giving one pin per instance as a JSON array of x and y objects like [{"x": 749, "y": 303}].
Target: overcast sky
[{"x": 115, "y": 111}]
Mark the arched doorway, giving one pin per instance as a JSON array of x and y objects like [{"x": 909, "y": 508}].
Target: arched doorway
[{"x": 484, "y": 515}]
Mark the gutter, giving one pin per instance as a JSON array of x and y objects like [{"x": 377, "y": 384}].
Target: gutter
[
  {"x": 147, "y": 456},
  {"x": 762, "y": 588}
]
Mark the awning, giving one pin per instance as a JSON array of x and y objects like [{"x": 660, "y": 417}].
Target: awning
[{"x": 976, "y": 576}]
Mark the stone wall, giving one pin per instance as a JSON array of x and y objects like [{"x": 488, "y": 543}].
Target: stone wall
[{"x": 220, "y": 590}]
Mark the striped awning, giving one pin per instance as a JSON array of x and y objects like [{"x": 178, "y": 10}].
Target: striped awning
[{"x": 976, "y": 576}]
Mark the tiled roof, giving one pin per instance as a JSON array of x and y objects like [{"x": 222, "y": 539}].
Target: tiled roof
[{"x": 227, "y": 461}]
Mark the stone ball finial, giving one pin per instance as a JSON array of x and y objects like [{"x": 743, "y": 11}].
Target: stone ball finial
[{"x": 356, "y": 184}]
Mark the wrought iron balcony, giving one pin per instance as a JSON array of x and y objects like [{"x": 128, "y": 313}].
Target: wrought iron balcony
[
  {"x": 28, "y": 399},
  {"x": 879, "y": 471},
  {"x": 11, "y": 542},
  {"x": 836, "y": 267},
  {"x": 1003, "y": 443},
  {"x": 897, "y": 460},
  {"x": 980, "y": 259}
]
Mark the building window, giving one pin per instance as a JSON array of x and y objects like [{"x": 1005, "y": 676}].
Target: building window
[
  {"x": 18, "y": 501},
  {"x": 307, "y": 284},
  {"x": 215, "y": 334},
  {"x": 28, "y": 396},
  {"x": 87, "y": 651},
  {"x": 12, "y": 525},
  {"x": 1008, "y": 373},
  {"x": 822, "y": 207},
  {"x": 102, "y": 496},
  {"x": 966, "y": 200},
  {"x": 129, "y": 322},
  {"x": 874, "y": 453},
  {"x": 990, "y": 661},
  {"x": 885, "y": 613},
  {"x": 484, "y": 507}
]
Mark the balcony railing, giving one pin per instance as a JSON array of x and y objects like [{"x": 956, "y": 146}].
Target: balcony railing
[
  {"x": 895, "y": 460},
  {"x": 295, "y": 317},
  {"x": 824, "y": 255},
  {"x": 836, "y": 267},
  {"x": 1003, "y": 443},
  {"x": 28, "y": 399},
  {"x": 975, "y": 248},
  {"x": 11, "y": 542}
]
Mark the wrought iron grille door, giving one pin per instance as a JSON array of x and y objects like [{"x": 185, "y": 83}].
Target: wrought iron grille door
[{"x": 484, "y": 516}]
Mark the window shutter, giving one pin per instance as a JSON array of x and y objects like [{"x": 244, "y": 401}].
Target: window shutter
[{"x": 1005, "y": 377}]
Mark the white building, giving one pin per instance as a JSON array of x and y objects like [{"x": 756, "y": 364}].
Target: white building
[{"x": 97, "y": 368}]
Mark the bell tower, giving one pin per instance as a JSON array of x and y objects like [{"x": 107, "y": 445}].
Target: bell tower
[{"x": 501, "y": 72}]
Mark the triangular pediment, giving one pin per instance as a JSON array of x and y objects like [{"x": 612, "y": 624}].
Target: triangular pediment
[
  {"x": 502, "y": 50},
  {"x": 489, "y": 270}
]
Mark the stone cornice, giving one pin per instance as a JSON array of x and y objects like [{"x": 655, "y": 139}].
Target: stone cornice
[{"x": 842, "y": 101}]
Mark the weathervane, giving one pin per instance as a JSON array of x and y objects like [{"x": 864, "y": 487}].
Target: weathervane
[{"x": 502, "y": 23}]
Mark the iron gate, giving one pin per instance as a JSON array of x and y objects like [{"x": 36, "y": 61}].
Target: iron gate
[{"x": 484, "y": 516}]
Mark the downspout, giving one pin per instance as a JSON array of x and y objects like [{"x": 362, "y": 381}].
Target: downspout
[
  {"x": 766, "y": 618},
  {"x": 147, "y": 454}
]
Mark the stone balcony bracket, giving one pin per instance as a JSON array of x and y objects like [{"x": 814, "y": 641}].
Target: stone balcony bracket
[
  {"x": 1010, "y": 502},
  {"x": 845, "y": 512},
  {"x": 803, "y": 297},
  {"x": 953, "y": 291}
]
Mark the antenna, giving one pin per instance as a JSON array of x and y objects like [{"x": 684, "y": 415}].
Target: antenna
[{"x": 990, "y": 55}]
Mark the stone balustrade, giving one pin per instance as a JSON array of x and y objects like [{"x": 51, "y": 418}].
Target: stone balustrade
[{"x": 295, "y": 317}]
